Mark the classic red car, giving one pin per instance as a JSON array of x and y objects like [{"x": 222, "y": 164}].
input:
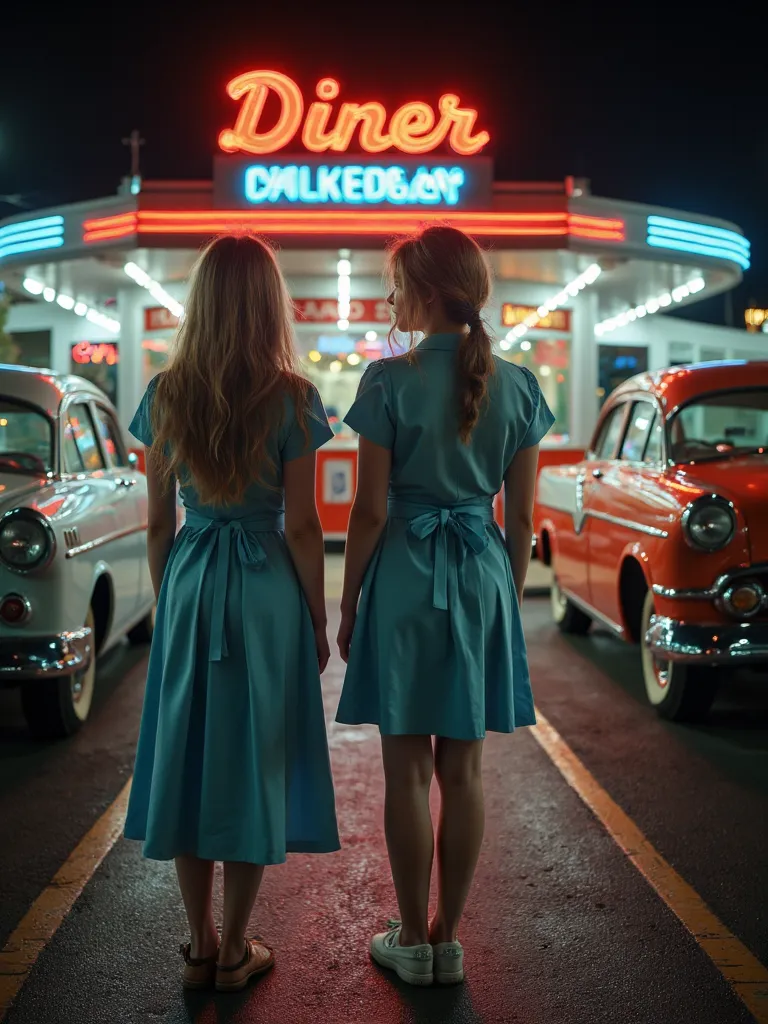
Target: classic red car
[{"x": 661, "y": 532}]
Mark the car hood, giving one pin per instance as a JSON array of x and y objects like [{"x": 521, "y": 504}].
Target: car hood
[{"x": 744, "y": 481}]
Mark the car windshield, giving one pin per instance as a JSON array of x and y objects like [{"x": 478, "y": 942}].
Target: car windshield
[
  {"x": 26, "y": 439},
  {"x": 720, "y": 425}
]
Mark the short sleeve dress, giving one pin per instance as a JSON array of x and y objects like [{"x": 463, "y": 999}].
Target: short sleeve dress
[
  {"x": 232, "y": 762},
  {"x": 438, "y": 646}
]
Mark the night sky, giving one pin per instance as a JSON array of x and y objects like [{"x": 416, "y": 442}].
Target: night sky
[{"x": 661, "y": 103}]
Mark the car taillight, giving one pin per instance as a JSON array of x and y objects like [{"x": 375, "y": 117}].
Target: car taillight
[{"x": 14, "y": 609}]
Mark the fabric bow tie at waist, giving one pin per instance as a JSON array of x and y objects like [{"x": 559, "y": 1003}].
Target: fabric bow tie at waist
[
  {"x": 466, "y": 522},
  {"x": 250, "y": 552}
]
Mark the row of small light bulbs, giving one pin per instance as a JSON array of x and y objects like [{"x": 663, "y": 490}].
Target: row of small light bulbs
[
  {"x": 158, "y": 293},
  {"x": 560, "y": 299},
  {"x": 662, "y": 301},
  {"x": 95, "y": 316},
  {"x": 344, "y": 288}
]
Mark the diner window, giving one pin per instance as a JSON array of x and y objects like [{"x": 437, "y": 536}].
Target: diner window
[
  {"x": 638, "y": 432},
  {"x": 111, "y": 441},
  {"x": 81, "y": 448},
  {"x": 610, "y": 432}
]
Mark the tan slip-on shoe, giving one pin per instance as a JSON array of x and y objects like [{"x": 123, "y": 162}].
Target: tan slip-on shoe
[
  {"x": 197, "y": 973},
  {"x": 236, "y": 977}
]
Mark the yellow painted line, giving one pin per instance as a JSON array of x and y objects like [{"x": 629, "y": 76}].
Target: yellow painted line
[
  {"x": 39, "y": 924},
  {"x": 743, "y": 972}
]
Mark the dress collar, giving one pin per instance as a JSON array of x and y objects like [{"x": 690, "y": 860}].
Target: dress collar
[{"x": 440, "y": 343}]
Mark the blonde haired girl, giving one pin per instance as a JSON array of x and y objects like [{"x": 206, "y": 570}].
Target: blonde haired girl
[{"x": 232, "y": 762}]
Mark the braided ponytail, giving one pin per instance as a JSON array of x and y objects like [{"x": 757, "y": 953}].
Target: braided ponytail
[{"x": 474, "y": 365}]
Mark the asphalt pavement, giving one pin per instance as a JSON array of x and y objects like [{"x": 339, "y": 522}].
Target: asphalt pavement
[{"x": 560, "y": 927}]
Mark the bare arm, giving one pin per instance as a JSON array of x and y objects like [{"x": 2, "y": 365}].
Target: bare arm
[
  {"x": 368, "y": 518},
  {"x": 161, "y": 528},
  {"x": 519, "y": 493},
  {"x": 304, "y": 534},
  {"x": 366, "y": 524}
]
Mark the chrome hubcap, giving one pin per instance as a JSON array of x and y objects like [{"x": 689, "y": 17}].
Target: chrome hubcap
[{"x": 76, "y": 686}]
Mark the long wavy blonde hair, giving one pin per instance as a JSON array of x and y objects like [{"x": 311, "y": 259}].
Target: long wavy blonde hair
[{"x": 234, "y": 360}]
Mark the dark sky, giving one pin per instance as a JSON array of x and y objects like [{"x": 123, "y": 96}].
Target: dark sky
[{"x": 663, "y": 103}]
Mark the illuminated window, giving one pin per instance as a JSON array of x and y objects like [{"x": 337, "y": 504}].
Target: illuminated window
[
  {"x": 638, "y": 432},
  {"x": 111, "y": 442},
  {"x": 81, "y": 449}
]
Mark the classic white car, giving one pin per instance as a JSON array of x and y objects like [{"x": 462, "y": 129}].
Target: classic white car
[{"x": 73, "y": 517}]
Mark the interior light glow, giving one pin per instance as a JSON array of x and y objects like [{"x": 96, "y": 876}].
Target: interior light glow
[
  {"x": 335, "y": 366},
  {"x": 505, "y": 344},
  {"x": 65, "y": 301},
  {"x": 353, "y": 359},
  {"x": 525, "y": 346},
  {"x": 80, "y": 308},
  {"x": 344, "y": 267},
  {"x": 315, "y": 356},
  {"x": 33, "y": 286},
  {"x": 343, "y": 325},
  {"x": 49, "y": 294},
  {"x": 371, "y": 335},
  {"x": 155, "y": 289}
]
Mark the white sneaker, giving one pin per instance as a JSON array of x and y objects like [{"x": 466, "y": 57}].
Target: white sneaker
[
  {"x": 449, "y": 963},
  {"x": 411, "y": 963}
]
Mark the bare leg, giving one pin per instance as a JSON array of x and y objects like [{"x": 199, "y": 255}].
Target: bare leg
[
  {"x": 241, "y": 886},
  {"x": 408, "y": 765},
  {"x": 458, "y": 766},
  {"x": 196, "y": 884}
]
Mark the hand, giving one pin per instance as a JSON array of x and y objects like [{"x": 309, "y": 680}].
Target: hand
[
  {"x": 344, "y": 639},
  {"x": 323, "y": 650}
]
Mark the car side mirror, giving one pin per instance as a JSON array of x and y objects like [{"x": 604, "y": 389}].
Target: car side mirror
[{"x": 133, "y": 460}]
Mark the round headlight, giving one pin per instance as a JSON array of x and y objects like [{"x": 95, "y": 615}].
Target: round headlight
[
  {"x": 709, "y": 524},
  {"x": 26, "y": 540}
]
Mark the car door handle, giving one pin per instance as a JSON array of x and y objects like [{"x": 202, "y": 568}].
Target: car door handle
[{"x": 597, "y": 474}]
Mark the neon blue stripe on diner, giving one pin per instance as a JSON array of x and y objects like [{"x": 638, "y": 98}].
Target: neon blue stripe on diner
[
  {"x": 687, "y": 236},
  {"x": 20, "y": 247},
  {"x": 701, "y": 250},
  {"x": 699, "y": 229},
  {"x": 30, "y": 236},
  {"x": 32, "y": 225}
]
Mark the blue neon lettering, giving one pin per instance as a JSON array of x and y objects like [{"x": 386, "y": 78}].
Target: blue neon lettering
[
  {"x": 353, "y": 184},
  {"x": 375, "y": 185},
  {"x": 328, "y": 184},
  {"x": 306, "y": 193},
  {"x": 257, "y": 183}
]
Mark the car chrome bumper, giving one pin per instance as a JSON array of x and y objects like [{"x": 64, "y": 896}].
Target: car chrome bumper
[
  {"x": 23, "y": 658},
  {"x": 710, "y": 645}
]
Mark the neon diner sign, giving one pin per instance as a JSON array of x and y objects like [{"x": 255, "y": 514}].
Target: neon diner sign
[
  {"x": 353, "y": 184},
  {"x": 414, "y": 128}
]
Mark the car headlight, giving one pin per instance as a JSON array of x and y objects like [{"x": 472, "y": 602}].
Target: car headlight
[
  {"x": 27, "y": 541},
  {"x": 709, "y": 523}
]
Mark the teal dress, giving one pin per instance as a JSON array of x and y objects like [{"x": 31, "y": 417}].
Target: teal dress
[
  {"x": 438, "y": 646},
  {"x": 232, "y": 761}
]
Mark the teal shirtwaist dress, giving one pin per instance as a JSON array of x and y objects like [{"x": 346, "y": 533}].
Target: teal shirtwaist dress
[
  {"x": 438, "y": 646},
  {"x": 232, "y": 762}
]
